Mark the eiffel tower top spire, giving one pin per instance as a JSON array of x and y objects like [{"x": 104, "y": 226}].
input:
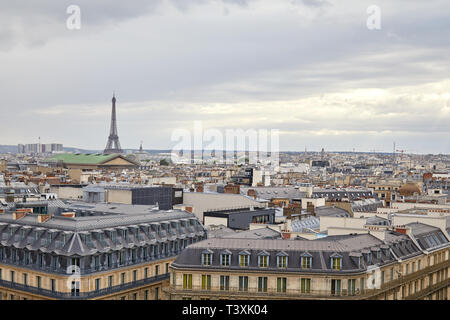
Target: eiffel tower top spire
[{"x": 113, "y": 144}]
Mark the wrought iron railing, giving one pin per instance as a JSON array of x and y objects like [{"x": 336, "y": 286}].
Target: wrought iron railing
[{"x": 82, "y": 295}]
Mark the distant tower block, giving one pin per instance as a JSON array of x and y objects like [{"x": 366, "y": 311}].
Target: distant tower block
[{"x": 113, "y": 144}]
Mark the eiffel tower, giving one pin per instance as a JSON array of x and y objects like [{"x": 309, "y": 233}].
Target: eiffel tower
[{"x": 113, "y": 145}]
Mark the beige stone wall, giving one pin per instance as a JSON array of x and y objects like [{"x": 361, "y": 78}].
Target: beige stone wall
[
  {"x": 215, "y": 221},
  {"x": 68, "y": 192},
  {"x": 412, "y": 280},
  {"x": 118, "y": 196},
  {"x": 352, "y": 223},
  {"x": 88, "y": 282}
]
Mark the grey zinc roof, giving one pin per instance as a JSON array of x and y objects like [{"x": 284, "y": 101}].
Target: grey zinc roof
[
  {"x": 62, "y": 235},
  {"x": 331, "y": 212},
  {"x": 262, "y": 233},
  {"x": 346, "y": 244},
  {"x": 427, "y": 236},
  {"x": 321, "y": 253},
  {"x": 349, "y": 247}
]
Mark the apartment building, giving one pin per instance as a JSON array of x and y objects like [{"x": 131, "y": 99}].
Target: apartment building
[
  {"x": 91, "y": 251},
  {"x": 340, "y": 267}
]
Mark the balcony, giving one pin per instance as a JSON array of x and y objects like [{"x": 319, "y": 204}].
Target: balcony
[
  {"x": 82, "y": 295},
  {"x": 270, "y": 293}
]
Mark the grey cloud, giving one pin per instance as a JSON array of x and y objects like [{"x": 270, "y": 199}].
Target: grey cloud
[{"x": 179, "y": 63}]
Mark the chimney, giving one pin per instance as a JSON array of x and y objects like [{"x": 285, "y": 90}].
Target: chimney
[
  {"x": 68, "y": 214},
  {"x": 401, "y": 230},
  {"x": 251, "y": 193},
  {"x": 44, "y": 217},
  {"x": 19, "y": 215}
]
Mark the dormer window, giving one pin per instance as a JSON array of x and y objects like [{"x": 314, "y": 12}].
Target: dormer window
[
  {"x": 306, "y": 261},
  {"x": 207, "y": 258},
  {"x": 244, "y": 259},
  {"x": 263, "y": 259},
  {"x": 282, "y": 260},
  {"x": 336, "y": 262},
  {"x": 225, "y": 258}
]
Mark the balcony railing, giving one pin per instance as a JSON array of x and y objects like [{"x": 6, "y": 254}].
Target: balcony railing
[
  {"x": 82, "y": 295},
  {"x": 270, "y": 293},
  {"x": 328, "y": 294}
]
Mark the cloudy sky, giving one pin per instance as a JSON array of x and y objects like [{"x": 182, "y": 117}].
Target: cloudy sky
[{"x": 310, "y": 68}]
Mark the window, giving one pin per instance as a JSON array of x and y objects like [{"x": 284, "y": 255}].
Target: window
[
  {"x": 244, "y": 260},
  {"x": 12, "y": 276},
  {"x": 122, "y": 278},
  {"x": 361, "y": 285},
  {"x": 413, "y": 267},
  {"x": 224, "y": 282},
  {"x": 25, "y": 279},
  {"x": 225, "y": 259},
  {"x": 407, "y": 268},
  {"x": 263, "y": 260},
  {"x": 146, "y": 273},
  {"x": 1, "y": 272},
  {"x": 382, "y": 277},
  {"x": 336, "y": 263},
  {"x": 281, "y": 285},
  {"x": 206, "y": 259},
  {"x": 134, "y": 296},
  {"x": 38, "y": 282},
  {"x": 243, "y": 283},
  {"x": 97, "y": 262},
  {"x": 97, "y": 284},
  {"x": 41, "y": 260},
  {"x": 262, "y": 284},
  {"x": 187, "y": 281},
  {"x": 335, "y": 287},
  {"x": 167, "y": 267},
  {"x": 369, "y": 258},
  {"x": 305, "y": 285},
  {"x": 109, "y": 260},
  {"x": 134, "y": 275},
  {"x": 146, "y": 295},
  {"x": 206, "y": 282},
  {"x": 110, "y": 281},
  {"x": 351, "y": 286},
  {"x": 53, "y": 285},
  {"x": 419, "y": 264},
  {"x": 157, "y": 292},
  {"x": 122, "y": 257},
  {"x": 156, "y": 270},
  {"x": 282, "y": 261},
  {"x": 75, "y": 262},
  {"x": 53, "y": 262},
  {"x": 306, "y": 262}
]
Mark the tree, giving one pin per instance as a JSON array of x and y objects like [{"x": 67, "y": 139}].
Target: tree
[{"x": 163, "y": 162}]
